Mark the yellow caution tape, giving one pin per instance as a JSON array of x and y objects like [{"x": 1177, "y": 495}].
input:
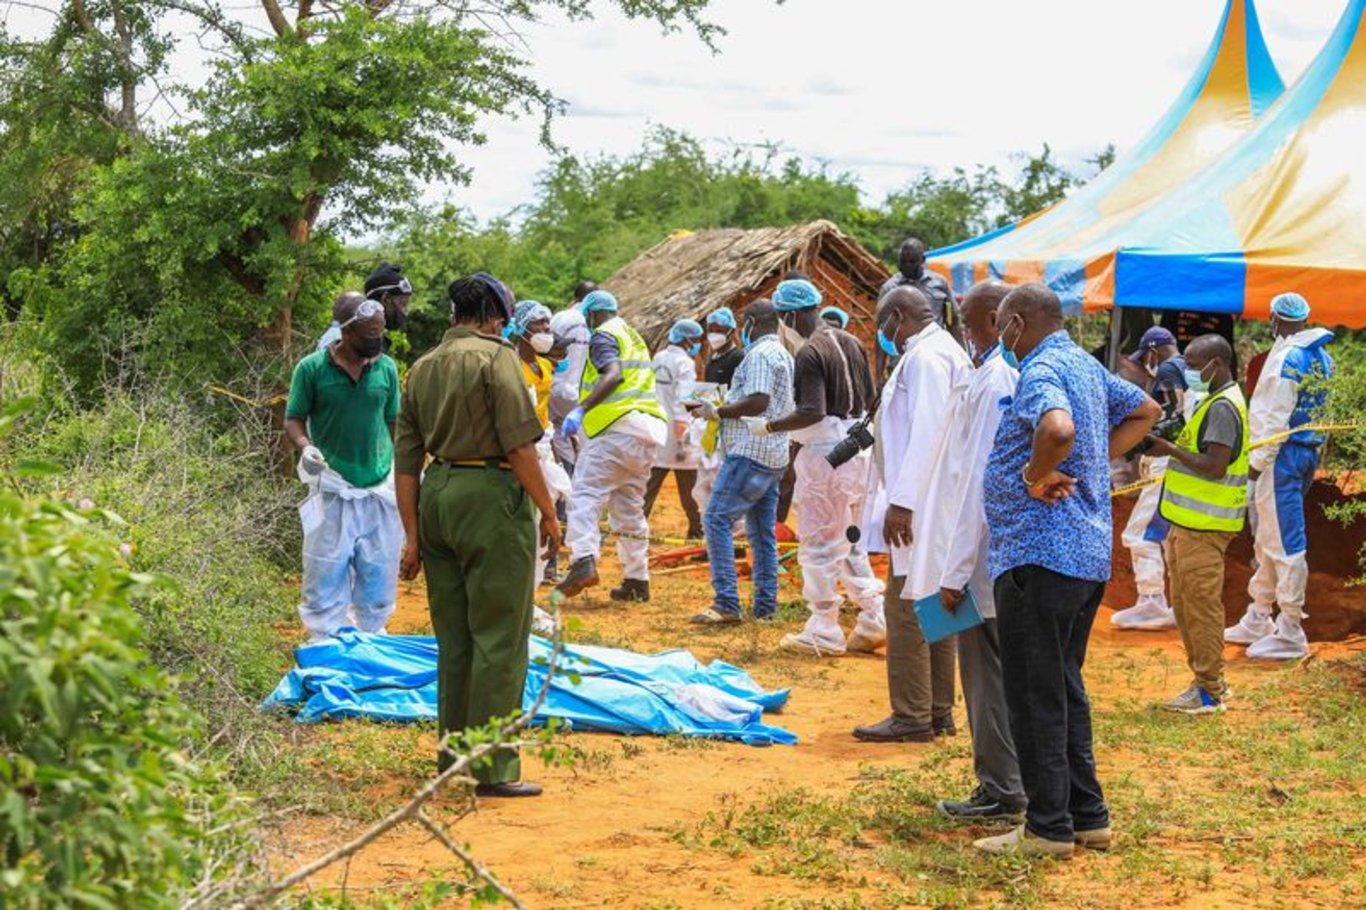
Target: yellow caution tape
[
  {"x": 1270, "y": 440},
  {"x": 268, "y": 403}
]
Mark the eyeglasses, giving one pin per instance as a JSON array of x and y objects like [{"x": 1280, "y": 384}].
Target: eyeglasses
[
  {"x": 368, "y": 309},
  {"x": 403, "y": 287}
]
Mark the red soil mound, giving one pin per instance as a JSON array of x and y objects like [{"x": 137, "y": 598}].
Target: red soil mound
[{"x": 1335, "y": 609}]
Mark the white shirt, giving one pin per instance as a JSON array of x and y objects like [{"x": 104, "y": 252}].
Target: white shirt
[
  {"x": 950, "y": 548},
  {"x": 675, "y": 376},
  {"x": 564, "y": 387},
  {"x": 915, "y": 403}
]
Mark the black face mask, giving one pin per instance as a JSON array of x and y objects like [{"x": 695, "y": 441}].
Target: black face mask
[
  {"x": 369, "y": 347},
  {"x": 915, "y": 272},
  {"x": 394, "y": 319}
]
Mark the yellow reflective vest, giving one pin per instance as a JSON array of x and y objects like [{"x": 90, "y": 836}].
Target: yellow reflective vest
[
  {"x": 637, "y": 389},
  {"x": 1197, "y": 502}
]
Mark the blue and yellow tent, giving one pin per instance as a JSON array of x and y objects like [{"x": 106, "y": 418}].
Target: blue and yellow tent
[{"x": 1235, "y": 83}]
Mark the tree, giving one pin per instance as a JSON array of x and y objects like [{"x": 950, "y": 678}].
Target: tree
[{"x": 211, "y": 233}]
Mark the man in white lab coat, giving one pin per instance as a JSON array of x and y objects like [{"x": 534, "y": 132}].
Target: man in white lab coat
[
  {"x": 950, "y": 555},
  {"x": 915, "y": 402}
]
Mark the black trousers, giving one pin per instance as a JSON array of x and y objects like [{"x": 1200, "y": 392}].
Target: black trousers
[
  {"x": 1044, "y": 620},
  {"x": 686, "y": 479}
]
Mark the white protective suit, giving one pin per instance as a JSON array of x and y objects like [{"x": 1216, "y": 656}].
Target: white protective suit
[
  {"x": 950, "y": 548},
  {"x": 675, "y": 376},
  {"x": 1143, "y": 536},
  {"x": 564, "y": 385},
  {"x": 1277, "y": 497},
  {"x": 917, "y": 403},
  {"x": 613, "y": 470},
  {"x": 352, "y": 542}
]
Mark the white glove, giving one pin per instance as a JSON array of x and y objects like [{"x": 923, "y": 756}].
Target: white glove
[
  {"x": 757, "y": 426},
  {"x": 312, "y": 461},
  {"x": 708, "y": 411}
]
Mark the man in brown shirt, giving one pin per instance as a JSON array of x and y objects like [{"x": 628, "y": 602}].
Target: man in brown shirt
[{"x": 474, "y": 532}]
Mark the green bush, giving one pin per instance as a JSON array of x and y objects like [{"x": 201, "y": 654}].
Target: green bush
[{"x": 100, "y": 804}]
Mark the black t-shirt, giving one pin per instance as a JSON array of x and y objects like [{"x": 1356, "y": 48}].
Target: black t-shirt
[
  {"x": 721, "y": 368},
  {"x": 831, "y": 374}
]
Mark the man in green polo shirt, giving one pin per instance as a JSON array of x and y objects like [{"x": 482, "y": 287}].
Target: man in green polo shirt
[{"x": 343, "y": 403}]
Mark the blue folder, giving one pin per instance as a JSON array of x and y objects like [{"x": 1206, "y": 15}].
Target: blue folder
[{"x": 936, "y": 623}]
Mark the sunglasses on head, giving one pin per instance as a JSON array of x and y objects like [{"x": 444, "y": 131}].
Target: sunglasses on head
[
  {"x": 403, "y": 287},
  {"x": 368, "y": 309}
]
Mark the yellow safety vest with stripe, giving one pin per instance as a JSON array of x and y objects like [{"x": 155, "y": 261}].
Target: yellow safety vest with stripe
[
  {"x": 637, "y": 389},
  {"x": 1197, "y": 502}
]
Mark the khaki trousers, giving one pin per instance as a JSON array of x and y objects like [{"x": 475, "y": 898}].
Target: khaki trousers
[
  {"x": 1195, "y": 561},
  {"x": 919, "y": 675}
]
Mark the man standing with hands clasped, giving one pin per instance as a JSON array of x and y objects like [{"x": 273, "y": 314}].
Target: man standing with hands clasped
[
  {"x": 1048, "y": 511},
  {"x": 1204, "y": 496},
  {"x": 475, "y": 530}
]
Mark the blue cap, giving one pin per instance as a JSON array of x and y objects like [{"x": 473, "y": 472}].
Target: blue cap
[
  {"x": 796, "y": 294},
  {"x": 723, "y": 317},
  {"x": 527, "y": 312},
  {"x": 840, "y": 316},
  {"x": 1290, "y": 306},
  {"x": 599, "y": 302},
  {"x": 683, "y": 330},
  {"x": 1155, "y": 337}
]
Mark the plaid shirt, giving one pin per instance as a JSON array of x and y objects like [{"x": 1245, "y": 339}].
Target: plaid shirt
[{"x": 767, "y": 368}]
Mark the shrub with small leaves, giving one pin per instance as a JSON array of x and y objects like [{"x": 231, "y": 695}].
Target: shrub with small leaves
[{"x": 100, "y": 805}]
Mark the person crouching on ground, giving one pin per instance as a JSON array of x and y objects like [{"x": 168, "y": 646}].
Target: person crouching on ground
[
  {"x": 1204, "y": 496},
  {"x": 1048, "y": 509},
  {"x": 747, "y": 485},
  {"x": 927, "y": 365},
  {"x": 625, "y": 427},
  {"x": 475, "y": 529},
  {"x": 343, "y": 401}
]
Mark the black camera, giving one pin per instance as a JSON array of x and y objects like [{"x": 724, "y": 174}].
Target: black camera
[
  {"x": 1168, "y": 428},
  {"x": 848, "y": 448}
]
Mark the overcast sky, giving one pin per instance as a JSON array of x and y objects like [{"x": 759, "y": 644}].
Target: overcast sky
[
  {"x": 878, "y": 88},
  {"x": 875, "y": 88}
]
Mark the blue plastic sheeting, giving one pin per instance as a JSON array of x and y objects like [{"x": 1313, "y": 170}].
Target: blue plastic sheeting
[{"x": 393, "y": 677}]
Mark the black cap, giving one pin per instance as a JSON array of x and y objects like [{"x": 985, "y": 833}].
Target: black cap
[{"x": 386, "y": 278}]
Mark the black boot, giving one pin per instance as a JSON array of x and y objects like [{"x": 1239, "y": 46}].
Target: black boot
[
  {"x": 582, "y": 574},
  {"x": 632, "y": 590}
]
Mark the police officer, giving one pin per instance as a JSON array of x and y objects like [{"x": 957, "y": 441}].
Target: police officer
[{"x": 475, "y": 532}]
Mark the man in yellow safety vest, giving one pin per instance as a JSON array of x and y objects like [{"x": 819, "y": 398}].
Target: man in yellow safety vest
[
  {"x": 1204, "y": 496},
  {"x": 624, "y": 427}
]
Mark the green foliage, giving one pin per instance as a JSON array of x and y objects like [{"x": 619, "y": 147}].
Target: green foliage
[
  {"x": 1345, "y": 453},
  {"x": 100, "y": 805}
]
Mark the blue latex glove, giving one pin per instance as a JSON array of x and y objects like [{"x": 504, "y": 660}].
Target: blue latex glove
[{"x": 573, "y": 422}]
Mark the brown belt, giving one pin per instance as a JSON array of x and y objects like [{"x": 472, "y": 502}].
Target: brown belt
[{"x": 476, "y": 463}]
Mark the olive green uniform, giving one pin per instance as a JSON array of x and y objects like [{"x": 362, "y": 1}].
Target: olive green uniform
[{"x": 466, "y": 406}]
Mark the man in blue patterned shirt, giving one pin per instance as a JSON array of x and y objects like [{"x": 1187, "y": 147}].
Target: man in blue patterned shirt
[
  {"x": 747, "y": 485},
  {"x": 1048, "y": 511}
]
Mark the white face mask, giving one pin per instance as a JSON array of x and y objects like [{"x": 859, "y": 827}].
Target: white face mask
[
  {"x": 717, "y": 340},
  {"x": 541, "y": 342}
]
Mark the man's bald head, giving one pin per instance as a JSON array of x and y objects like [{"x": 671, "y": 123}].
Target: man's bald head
[
  {"x": 761, "y": 316},
  {"x": 344, "y": 307},
  {"x": 1028, "y": 315},
  {"x": 980, "y": 305},
  {"x": 909, "y": 304},
  {"x": 911, "y": 259}
]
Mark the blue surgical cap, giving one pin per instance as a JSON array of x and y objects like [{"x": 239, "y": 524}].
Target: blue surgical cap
[
  {"x": 840, "y": 316},
  {"x": 683, "y": 330},
  {"x": 1290, "y": 306},
  {"x": 723, "y": 317},
  {"x": 527, "y": 312},
  {"x": 599, "y": 302},
  {"x": 796, "y": 294}
]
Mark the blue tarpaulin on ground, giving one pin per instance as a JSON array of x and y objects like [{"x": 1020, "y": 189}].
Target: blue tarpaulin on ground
[{"x": 393, "y": 677}]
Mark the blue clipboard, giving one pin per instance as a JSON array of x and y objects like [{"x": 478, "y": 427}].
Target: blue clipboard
[{"x": 937, "y": 624}]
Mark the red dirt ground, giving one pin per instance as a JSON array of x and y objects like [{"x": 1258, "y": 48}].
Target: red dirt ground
[{"x": 1336, "y": 609}]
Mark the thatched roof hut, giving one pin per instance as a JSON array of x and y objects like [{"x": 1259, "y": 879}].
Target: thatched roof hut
[{"x": 691, "y": 274}]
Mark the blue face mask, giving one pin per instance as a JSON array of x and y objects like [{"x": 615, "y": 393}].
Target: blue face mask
[
  {"x": 888, "y": 346},
  {"x": 1008, "y": 353},
  {"x": 1195, "y": 381},
  {"x": 562, "y": 366},
  {"x": 744, "y": 337}
]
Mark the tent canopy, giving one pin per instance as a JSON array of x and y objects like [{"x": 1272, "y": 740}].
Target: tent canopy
[{"x": 1234, "y": 85}]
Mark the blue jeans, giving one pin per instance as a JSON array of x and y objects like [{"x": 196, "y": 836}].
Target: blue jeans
[{"x": 744, "y": 489}]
